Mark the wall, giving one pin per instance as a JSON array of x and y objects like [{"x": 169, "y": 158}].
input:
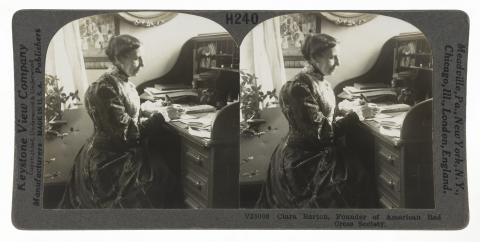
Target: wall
[
  {"x": 360, "y": 45},
  {"x": 162, "y": 44}
]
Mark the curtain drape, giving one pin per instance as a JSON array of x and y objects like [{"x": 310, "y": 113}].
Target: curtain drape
[
  {"x": 65, "y": 60},
  {"x": 261, "y": 55}
]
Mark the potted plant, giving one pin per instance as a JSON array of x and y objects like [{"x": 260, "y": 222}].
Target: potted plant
[
  {"x": 55, "y": 102},
  {"x": 251, "y": 99}
]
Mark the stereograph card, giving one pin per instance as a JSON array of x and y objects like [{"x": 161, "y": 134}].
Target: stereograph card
[{"x": 240, "y": 119}]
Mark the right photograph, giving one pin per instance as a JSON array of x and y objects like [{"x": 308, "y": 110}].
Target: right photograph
[{"x": 336, "y": 112}]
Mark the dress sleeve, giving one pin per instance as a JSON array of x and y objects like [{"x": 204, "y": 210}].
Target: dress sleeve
[
  {"x": 122, "y": 125},
  {"x": 307, "y": 113}
]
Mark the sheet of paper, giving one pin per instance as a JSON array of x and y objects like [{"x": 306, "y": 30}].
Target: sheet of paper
[{"x": 202, "y": 133}]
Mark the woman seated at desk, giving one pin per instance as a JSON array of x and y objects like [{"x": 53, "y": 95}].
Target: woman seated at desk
[
  {"x": 112, "y": 170},
  {"x": 306, "y": 169}
]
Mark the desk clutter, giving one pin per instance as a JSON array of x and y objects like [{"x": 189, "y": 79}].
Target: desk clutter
[
  {"x": 197, "y": 118},
  {"x": 199, "y": 126},
  {"x": 174, "y": 92},
  {"x": 389, "y": 111},
  {"x": 390, "y": 124},
  {"x": 389, "y": 117},
  {"x": 370, "y": 92}
]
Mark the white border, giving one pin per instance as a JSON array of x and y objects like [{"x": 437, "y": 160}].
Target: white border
[{"x": 9, "y": 233}]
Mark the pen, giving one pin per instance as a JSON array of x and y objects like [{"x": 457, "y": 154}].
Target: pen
[{"x": 363, "y": 98}]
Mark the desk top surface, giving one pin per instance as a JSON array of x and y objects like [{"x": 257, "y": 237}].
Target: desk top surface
[
  {"x": 60, "y": 152},
  {"x": 255, "y": 150}
]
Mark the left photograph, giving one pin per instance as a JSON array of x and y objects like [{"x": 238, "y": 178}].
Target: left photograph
[{"x": 141, "y": 111}]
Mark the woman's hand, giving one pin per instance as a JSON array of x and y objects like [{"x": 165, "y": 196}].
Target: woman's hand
[
  {"x": 346, "y": 106},
  {"x": 174, "y": 111},
  {"x": 361, "y": 108},
  {"x": 169, "y": 112}
]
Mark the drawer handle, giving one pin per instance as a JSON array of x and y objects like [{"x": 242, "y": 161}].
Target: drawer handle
[
  {"x": 197, "y": 184},
  {"x": 50, "y": 160},
  {"x": 197, "y": 159},
  {"x": 389, "y": 181},
  {"x": 390, "y": 158}
]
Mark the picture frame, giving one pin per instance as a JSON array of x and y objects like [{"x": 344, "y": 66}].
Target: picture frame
[
  {"x": 348, "y": 18},
  {"x": 148, "y": 18},
  {"x": 293, "y": 30},
  {"x": 95, "y": 33}
]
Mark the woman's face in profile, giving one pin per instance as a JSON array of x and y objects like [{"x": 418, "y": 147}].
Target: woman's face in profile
[
  {"x": 327, "y": 61},
  {"x": 131, "y": 62}
]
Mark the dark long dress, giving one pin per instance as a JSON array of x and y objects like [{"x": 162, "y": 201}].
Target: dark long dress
[
  {"x": 112, "y": 169},
  {"x": 305, "y": 170}
]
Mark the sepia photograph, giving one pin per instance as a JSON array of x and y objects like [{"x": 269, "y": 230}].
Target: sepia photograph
[
  {"x": 141, "y": 111},
  {"x": 314, "y": 110},
  {"x": 203, "y": 119},
  {"x": 336, "y": 112}
]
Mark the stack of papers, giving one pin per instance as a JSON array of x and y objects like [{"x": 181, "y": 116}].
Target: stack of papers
[
  {"x": 203, "y": 108},
  {"x": 390, "y": 132},
  {"x": 391, "y": 122},
  {"x": 199, "y": 126},
  {"x": 204, "y": 121},
  {"x": 390, "y": 125},
  {"x": 202, "y": 133}
]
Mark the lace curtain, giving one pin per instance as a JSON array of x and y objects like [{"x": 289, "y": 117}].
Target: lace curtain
[{"x": 261, "y": 55}]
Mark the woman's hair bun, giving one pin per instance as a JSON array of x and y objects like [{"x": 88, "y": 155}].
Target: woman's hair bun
[
  {"x": 121, "y": 44},
  {"x": 316, "y": 44}
]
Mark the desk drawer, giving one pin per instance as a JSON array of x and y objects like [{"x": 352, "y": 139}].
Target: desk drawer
[
  {"x": 195, "y": 161},
  {"x": 195, "y": 158},
  {"x": 387, "y": 202},
  {"x": 197, "y": 148},
  {"x": 193, "y": 202},
  {"x": 194, "y": 183},
  {"x": 387, "y": 157}
]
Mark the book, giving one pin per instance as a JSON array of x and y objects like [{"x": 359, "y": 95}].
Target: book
[
  {"x": 153, "y": 94},
  {"x": 363, "y": 86},
  {"x": 353, "y": 90},
  {"x": 379, "y": 96},
  {"x": 171, "y": 86},
  {"x": 203, "y": 108},
  {"x": 180, "y": 94},
  {"x": 155, "y": 91},
  {"x": 394, "y": 108}
]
